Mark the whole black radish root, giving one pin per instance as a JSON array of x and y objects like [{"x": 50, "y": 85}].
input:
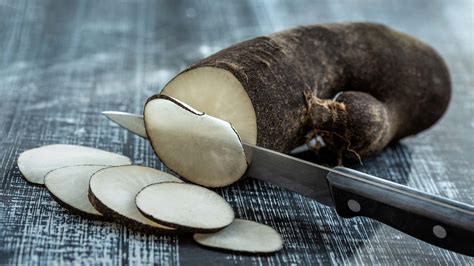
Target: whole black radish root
[{"x": 359, "y": 86}]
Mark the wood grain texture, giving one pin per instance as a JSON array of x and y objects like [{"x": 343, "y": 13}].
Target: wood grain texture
[{"x": 63, "y": 62}]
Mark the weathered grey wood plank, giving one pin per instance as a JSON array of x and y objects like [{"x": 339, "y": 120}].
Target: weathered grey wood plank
[{"x": 62, "y": 62}]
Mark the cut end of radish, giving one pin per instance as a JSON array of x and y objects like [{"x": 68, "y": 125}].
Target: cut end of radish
[
  {"x": 201, "y": 148},
  {"x": 243, "y": 236},
  {"x": 218, "y": 93},
  {"x": 34, "y": 164},
  {"x": 70, "y": 185},
  {"x": 112, "y": 191},
  {"x": 185, "y": 206}
]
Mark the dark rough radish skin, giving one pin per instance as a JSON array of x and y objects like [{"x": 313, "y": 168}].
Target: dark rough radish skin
[{"x": 358, "y": 85}]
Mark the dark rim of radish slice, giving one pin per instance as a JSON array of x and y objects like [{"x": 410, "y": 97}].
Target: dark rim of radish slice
[
  {"x": 181, "y": 227},
  {"x": 71, "y": 208},
  {"x": 124, "y": 220}
]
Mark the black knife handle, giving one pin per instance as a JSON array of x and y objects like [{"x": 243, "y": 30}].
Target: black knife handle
[{"x": 439, "y": 221}]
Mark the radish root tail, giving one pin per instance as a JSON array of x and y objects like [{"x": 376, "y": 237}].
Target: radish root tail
[{"x": 328, "y": 119}]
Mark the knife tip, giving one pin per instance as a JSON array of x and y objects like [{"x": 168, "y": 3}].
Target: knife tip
[{"x": 107, "y": 113}]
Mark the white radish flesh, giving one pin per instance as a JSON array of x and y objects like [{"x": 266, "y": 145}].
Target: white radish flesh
[
  {"x": 35, "y": 163},
  {"x": 201, "y": 148},
  {"x": 243, "y": 236},
  {"x": 185, "y": 206},
  {"x": 70, "y": 185},
  {"x": 112, "y": 191},
  {"x": 218, "y": 93}
]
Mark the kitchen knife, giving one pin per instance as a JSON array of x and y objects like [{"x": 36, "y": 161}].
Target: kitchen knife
[{"x": 437, "y": 220}]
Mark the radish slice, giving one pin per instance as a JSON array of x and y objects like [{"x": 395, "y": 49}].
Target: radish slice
[
  {"x": 185, "y": 206},
  {"x": 243, "y": 236},
  {"x": 69, "y": 186},
  {"x": 35, "y": 163},
  {"x": 203, "y": 149},
  {"x": 112, "y": 191}
]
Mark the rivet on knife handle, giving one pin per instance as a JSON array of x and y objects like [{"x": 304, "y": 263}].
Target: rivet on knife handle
[{"x": 439, "y": 221}]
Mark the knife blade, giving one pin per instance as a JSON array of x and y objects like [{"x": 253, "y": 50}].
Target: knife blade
[
  {"x": 128, "y": 121},
  {"x": 437, "y": 220},
  {"x": 276, "y": 168}
]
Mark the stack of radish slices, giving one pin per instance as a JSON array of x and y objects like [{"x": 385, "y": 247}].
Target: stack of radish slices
[{"x": 102, "y": 185}]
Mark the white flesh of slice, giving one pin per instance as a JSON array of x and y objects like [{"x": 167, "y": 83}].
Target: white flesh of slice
[
  {"x": 201, "y": 148},
  {"x": 244, "y": 236},
  {"x": 116, "y": 188},
  {"x": 70, "y": 185},
  {"x": 218, "y": 93},
  {"x": 185, "y": 206},
  {"x": 35, "y": 163}
]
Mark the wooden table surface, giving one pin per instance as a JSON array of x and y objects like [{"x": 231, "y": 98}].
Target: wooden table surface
[{"x": 63, "y": 62}]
